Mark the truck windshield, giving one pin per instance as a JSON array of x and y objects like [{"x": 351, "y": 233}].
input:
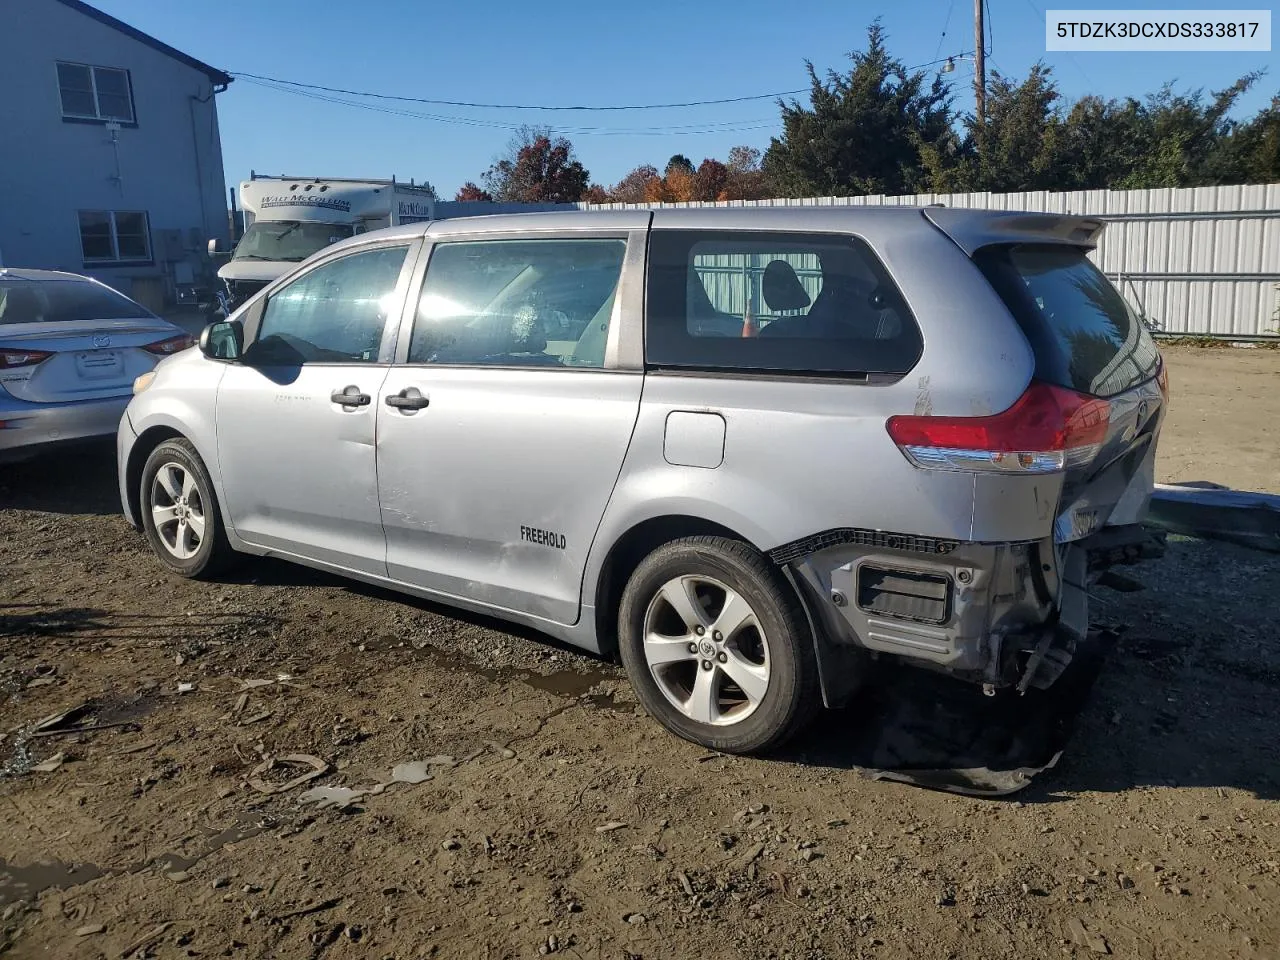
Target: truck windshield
[{"x": 291, "y": 240}]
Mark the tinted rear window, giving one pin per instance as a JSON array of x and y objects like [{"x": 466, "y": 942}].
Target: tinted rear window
[
  {"x": 60, "y": 301},
  {"x": 1085, "y": 336},
  {"x": 785, "y": 302}
]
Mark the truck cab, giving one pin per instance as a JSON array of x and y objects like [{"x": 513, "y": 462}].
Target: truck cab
[{"x": 287, "y": 219}]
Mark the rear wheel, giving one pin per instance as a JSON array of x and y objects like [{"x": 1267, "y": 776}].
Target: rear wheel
[
  {"x": 717, "y": 647},
  {"x": 180, "y": 512}
]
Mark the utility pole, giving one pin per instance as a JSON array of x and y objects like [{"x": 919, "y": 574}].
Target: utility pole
[{"x": 979, "y": 64}]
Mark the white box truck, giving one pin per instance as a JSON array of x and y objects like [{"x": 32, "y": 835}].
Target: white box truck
[{"x": 287, "y": 219}]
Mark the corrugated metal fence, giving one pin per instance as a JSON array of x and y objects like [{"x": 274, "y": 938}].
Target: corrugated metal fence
[{"x": 1202, "y": 260}]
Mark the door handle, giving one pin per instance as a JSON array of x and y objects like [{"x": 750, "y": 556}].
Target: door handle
[
  {"x": 350, "y": 396},
  {"x": 409, "y": 399}
]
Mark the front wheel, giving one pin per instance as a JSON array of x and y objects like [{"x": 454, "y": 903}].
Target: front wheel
[
  {"x": 717, "y": 646},
  {"x": 180, "y": 512}
]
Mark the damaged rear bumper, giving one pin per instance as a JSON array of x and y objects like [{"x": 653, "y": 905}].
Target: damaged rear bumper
[{"x": 998, "y": 614}]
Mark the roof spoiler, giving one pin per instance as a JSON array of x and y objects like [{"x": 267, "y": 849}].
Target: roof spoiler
[{"x": 971, "y": 230}]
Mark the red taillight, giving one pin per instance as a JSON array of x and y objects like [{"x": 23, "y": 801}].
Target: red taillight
[
  {"x": 1048, "y": 429},
  {"x": 21, "y": 358},
  {"x": 172, "y": 345},
  {"x": 1162, "y": 379}
]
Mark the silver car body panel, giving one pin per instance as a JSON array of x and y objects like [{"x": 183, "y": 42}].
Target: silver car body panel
[
  {"x": 280, "y": 430},
  {"x": 508, "y": 492}
]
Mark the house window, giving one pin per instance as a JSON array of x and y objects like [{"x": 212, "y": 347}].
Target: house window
[
  {"x": 114, "y": 236},
  {"x": 95, "y": 93}
]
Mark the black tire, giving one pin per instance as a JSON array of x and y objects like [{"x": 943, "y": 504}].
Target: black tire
[
  {"x": 212, "y": 554},
  {"x": 792, "y": 694}
]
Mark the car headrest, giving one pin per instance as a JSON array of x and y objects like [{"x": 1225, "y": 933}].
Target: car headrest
[{"x": 781, "y": 287}]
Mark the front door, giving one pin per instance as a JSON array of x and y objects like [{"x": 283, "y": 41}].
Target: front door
[
  {"x": 501, "y": 434},
  {"x": 296, "y": 418}
]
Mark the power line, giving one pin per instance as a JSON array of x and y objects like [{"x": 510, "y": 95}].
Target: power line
[
  {"x": 693, "y": 129},
  {"x": 339, "y": 95},
  {"x": 512, "y": 106},
  {"x": 945, "y": 24},
  {"x": 1070, "y": 56}
]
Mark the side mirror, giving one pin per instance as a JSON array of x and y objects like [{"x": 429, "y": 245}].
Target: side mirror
[
  {"x": 223, "y": 340},
  {"x": 215, "y": 250}
]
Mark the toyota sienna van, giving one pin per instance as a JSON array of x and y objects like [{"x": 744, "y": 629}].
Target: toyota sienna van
[{"x": 745, "y": 450}]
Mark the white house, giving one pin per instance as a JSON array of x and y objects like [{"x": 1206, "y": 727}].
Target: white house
[{"x": 110, "y": 160}]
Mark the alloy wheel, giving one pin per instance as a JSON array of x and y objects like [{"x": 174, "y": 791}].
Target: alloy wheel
[
  {"x": 706, "y": 650},
  {"x": 177, "y": 510}
]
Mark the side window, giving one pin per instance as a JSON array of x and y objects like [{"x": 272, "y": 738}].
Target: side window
[
  {"x": 333, "y": 314},
  {"x": 518, "y": 302},
  {"x": 797, "y": 303}
]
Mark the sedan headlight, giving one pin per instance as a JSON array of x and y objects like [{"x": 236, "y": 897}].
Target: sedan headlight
[{"x": 143, "y": 382}]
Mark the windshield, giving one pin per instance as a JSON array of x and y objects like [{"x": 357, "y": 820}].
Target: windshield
[
  {"x": 291, "y": 240},
  {"x": 62, "y": 301}
]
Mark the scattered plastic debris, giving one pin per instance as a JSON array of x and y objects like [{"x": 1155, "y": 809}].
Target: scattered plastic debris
[
  {"x": 415, "y": 771},
  {"x": 146, "y": 940},
  {"x": 52, "y": 764},
  {"x": 339, "y": 797},
  {"x": 1093, "y": 942},
  {"x": 186, "y": 687},
  {"x": 611, "y": 826},
  {"x": 318, "y": 769}
]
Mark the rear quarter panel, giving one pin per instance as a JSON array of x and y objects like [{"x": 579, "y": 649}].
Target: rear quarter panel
[{"x": 808, "y": 454}]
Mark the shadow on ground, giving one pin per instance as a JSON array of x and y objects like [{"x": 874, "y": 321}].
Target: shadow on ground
[
  {"x": 1181, "y": 690},
  {"x": 77, "y": 479}
]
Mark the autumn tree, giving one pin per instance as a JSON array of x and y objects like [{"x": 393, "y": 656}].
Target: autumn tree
[
  {"x": 656, "y": 191},
  {"x": 862, "y": 131},
  {"x": 633, "y": 187},
  {"x": 682, "y": 182},
  {"x": 595, "y": 194},
  {"x": 710, "y": 179},
  {"x": 469, "y": 191},
  {"x": 537, "y": 168},
  {"x": 746, "y": 180}
]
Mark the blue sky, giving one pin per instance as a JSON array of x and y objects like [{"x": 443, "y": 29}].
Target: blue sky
[{"x": 572, "y": 52}]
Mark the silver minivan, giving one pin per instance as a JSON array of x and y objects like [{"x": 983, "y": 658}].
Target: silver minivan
[{"x": 746, "y": 450}]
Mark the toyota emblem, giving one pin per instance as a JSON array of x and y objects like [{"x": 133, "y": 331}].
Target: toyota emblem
[{"x": 102, "y": 341}]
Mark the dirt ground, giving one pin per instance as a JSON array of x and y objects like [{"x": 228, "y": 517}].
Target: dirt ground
[
  {"x": 559, "y": 820},
  {"x": 1224, "y": 420}
]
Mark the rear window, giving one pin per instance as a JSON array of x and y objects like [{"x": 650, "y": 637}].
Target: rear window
[
  {"x": 783, "y": 302},
  {"x": 1084, "y": 335},
  {"x": 60, "y": 301}
]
